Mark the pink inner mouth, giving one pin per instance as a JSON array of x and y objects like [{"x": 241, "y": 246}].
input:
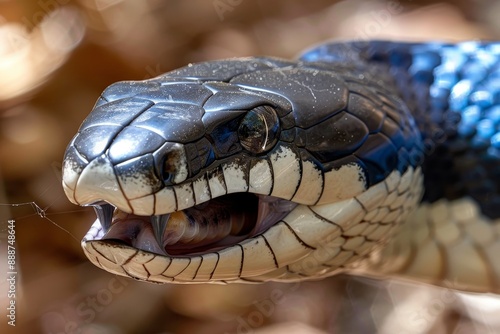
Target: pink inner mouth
[{"x": 207, "y": 227}]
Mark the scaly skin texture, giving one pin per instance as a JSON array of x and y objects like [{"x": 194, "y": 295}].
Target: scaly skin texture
[
  {"x": 446, "y": 243},
  {"x": 353, "y": 133}
]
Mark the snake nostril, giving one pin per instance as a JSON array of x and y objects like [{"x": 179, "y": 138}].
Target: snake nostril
[
  {"x": 168, "y": 171},
  {"x": 166, "y": 177},
  {"x": 171, "y": 164}
]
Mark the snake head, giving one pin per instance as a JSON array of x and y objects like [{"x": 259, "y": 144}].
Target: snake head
[{"x": 240, "y": 170}]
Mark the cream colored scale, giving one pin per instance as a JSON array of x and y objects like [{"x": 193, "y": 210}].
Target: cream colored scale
[
  {"x": 447, "y": 243},
  {"x": 310, "y": 242}
]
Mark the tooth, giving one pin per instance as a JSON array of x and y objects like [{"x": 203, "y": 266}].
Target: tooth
[
  {"x": 159, "y": 224},
  {"x": 104, "y": 213}
]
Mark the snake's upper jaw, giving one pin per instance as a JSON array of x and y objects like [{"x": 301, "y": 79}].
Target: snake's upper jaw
[{"x": 220, "y": 223}]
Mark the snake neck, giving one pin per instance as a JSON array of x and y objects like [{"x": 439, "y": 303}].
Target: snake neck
[{"x": 452, "y": 91}]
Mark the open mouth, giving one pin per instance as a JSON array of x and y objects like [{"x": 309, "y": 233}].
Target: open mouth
[{"x": 207, "y": 227}]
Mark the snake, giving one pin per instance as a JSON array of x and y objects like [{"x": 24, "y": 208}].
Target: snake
[{"x": 370, "y": 158}]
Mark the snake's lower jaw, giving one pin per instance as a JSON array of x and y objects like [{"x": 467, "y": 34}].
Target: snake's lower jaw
[{"x": 308, "y": 241}]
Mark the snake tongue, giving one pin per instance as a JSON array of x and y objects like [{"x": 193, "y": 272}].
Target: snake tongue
[{"x": 159, "y": 224}]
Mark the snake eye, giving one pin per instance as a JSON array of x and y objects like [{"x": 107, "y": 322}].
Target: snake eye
[{"x": 258, "y": 130}]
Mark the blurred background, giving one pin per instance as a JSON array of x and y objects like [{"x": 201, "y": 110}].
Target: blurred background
[{"x": 56, "y": 56}]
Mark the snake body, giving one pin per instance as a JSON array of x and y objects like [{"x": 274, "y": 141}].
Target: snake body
[{"x": 371, "y": 158}]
